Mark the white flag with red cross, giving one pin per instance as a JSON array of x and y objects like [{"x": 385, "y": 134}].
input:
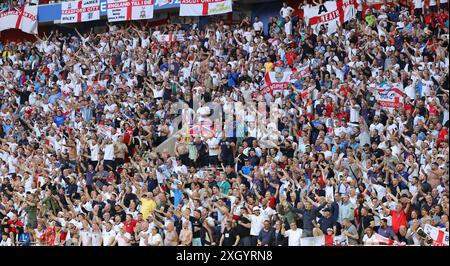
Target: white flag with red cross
[
  {"x": 390, "y": 96},
  {"x": 80, "y": 11},
  {"x": 325, "y": 240},
  {"x": 278, "y": 81},
  {"x": 205, "y": 7},
  {"x": 23, "y": 18},
  {"x": 170, "y": 37},
  {"x": 123, "y": 10},
  {"x": 330, "y": 14},
  {"x": 439, "y": 236}
]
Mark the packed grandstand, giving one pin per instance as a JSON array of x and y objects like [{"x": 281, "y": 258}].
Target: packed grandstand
[{"x": 224, "y": 123}]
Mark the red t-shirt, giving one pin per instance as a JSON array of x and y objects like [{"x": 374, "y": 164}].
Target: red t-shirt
[
  {"x": 13, "y": 225},
  {"x": 429, "y": 19},
  {"x": 345, "y": 90},
  {"x": 409, "y": 108},
  {"x": 433, "y": 110},
  {"x": 442, "y": 18},
  {"x": 442, "y": 134},
  {"x": 49, "y": 236},
  {"x": 129, "y": 226},
  {"x": 398, "y": 219},
  {"x": 344, "y": 115},
  {"x": 328, "y": 110},
  {"x": 290, "y": 57}
]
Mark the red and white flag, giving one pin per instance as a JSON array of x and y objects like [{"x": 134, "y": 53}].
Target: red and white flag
[
  {"x": 206, "y": 130},
  {"x": 170, "y": 37},
  {"x": 382, "y": 241},
  {"x": 205, "y": 7},
  {"x": 123, "y": 10},
  {"x": 331, "y": 14},
  {"x": 379, "y": 240},
  {"x": 23, "y": 18},
  {"x": 325, "y": 240},
  {"x": 390, "y": 96},
  {"x": 439, "y": 236},
  {"x": 80, "y": 11},
  {"x": 304, "y": 70},
  {"x": 278, "y": 81}
]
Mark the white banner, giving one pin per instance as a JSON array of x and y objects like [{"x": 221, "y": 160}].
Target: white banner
[
  {"x": 349, "y": 7},
  {"x": 439, "y": 236},
  {"x": 331, "y": 14},
  {"x": 23, "y": 18},
  {"x": 278, "y": 80},
  {"x": 390, "y": 96},
  {"x": 205, "y": 7},
  {"x": 170, "y": 37},
  {"x": 80, "y": 11},
  {"x": 325, "y": 240},
  {"x": 122, "y": 10}
]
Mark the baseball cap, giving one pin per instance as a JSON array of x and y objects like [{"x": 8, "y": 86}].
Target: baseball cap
[{"x": 256, "y": 208}]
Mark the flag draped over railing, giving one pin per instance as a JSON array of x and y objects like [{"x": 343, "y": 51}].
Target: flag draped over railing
[
  {"x": 23, "y": 18},
  {"x": 205, "y": 7}
]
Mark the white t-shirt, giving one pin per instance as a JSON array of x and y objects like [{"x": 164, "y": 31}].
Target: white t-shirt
[
  {"x": 286, "y": 11},
  {"x": 108, "y": 237},
  {"x": 121, "y": 239},
  {"x": 294, "y": 237},
  {"x": 370, "y": 240},
  {"x": 94, "y": 152},
  {"x": 85, "y": 237},
  {"x": 267, "y": 212},
  {"x": 354, "y": 113},
  {"x": 257, "y": 223},
  {"x": 418, "y": 3},
  {"x": 213, "y": 146},
  {"x": 410, "y": 91},
  {"x": 109, "y": 152},
  {"x": 258, "y": 26},
  {"x": 154, "y": 239},
  {"x": 142, "y": 240},
  {"x": 96, "y": 239},
  {"x": 288, "y": 28}
]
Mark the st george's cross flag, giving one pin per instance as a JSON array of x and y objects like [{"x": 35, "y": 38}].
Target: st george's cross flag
[
  {"x": 23, "y": 18},
  {"x": 439, "y": 236},
  {"x": 170, "y": 37},
  {"x": 124, "y": 10},
  {"x": 80, "y": 11},
  {"x": 205, "y": 7},
  {"x": 325, "y": 240},
  {"x": 330, "y": 14}
]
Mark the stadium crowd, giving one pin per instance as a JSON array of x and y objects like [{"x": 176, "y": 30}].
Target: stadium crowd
[{"x": 82, "y": 116}]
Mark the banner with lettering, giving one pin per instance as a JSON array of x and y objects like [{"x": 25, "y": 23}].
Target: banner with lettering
[
  {"x": 123, "y": 10},
  {"x": 205, "y": 7},
  {"x": 390, "y": 96},
  {"x": 80, "y": 11},
  {"x": 439, "y": 236},
  {"x": 278, "y": 81},
  {"x": 330, "y": 14},
  {"x": 23, "y": 18}
]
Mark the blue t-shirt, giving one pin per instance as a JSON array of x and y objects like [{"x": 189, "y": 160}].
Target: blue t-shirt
[
  {"x": 59, "y": 120},
  {"x": 177, "y": 195},
  {"x": 247, "y": 169}
]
